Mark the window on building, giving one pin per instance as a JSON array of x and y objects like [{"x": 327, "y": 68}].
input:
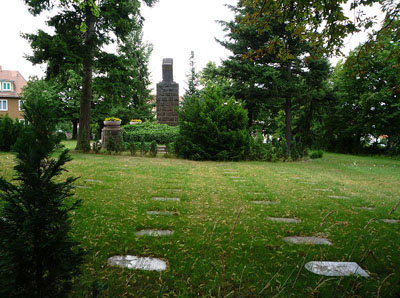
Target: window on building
[
  {"x": 3, "y": 105},
  {"x": 6, "y": 86},
  {"x": 20, "y": 103}
]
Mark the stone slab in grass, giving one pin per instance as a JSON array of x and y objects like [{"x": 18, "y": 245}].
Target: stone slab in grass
[
  {"x": 256, "y": 193},
  {"x": 365, "y": 208},
  {"x": 154, "y": 233},
  {"x": 166, "y": 199},
  {"x": 134, "y": 262},
  {"x": 264, "y": 202},
  {"x": 307, "y": 240},
  {"x": 156, "y": 212},
  {"x": 171, "y": 189},
  {"x": 335, "y": 268},
  {"x": 391, "y": 220},
  {"x": 284, "y": 219},
  {"x": 339, "y": 197},
  {"x": 295, "y": 178},
  {"x": 94, "y": 181},
  {"x": 82, "y": 186}
]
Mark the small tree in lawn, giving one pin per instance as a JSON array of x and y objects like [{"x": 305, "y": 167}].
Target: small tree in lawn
[
  {"x": 38, "y": 257},
  {"x": 212, "y": 127}
]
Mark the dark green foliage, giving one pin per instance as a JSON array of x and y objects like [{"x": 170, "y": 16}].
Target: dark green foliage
[
  {"x": 132, "y": 148},
  {"x": 142, "y": 147},
  {"x": 9, "y": 132},
  {"x": 111, "y": 144},
  {"x": 366, "y": 105},
  {"x": 153, "y": 149},
  {"x": 149, "y": 131},
  {"x": 120, "y": 144},
  {"x": 316, "y": 154},
  {"x": 38, "y": 257},
  {"x": 212, "y": 127}
]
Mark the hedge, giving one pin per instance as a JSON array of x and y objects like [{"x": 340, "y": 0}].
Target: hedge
[{"x": 149, "y": 131}]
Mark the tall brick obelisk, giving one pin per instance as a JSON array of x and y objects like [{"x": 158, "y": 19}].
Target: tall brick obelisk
[{"x": 167, "y": 95}]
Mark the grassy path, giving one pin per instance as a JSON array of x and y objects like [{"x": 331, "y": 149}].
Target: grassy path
[{"x": 223, "y": 244}]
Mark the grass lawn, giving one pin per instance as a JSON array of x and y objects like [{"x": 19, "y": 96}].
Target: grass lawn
[{"x": 223, "y": 244}]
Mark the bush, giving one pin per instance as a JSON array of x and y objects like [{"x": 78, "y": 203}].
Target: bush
[
  {"x": 153, "y": 149},
  {"x": 212, "y": 127},
  {"x": 316, "y": 154},
  {"x": 148, "y": 131},
  {"x": 38, "y": 257},
  {"x": 9, "y": 132}
]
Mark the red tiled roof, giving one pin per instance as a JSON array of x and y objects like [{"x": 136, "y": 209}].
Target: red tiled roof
[{"x": 15, "y": 77}]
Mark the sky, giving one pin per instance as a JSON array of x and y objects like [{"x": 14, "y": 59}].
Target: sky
[{"x": 173, "y": 27}]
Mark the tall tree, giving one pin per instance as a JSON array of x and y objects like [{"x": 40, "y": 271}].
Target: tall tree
[
  {"x": 367, "y": 104},
  {"x": 323, "y": 24},
  {"x": 123, "y": 90},
  {"x": 192, "y": 77},
  {"x": 100, "y": 22},
  {"x": 266, "y": 79}
]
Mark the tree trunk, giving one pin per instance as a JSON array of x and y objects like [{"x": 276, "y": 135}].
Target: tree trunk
[
  {"x": 86, "y": 95},
  {"x": 288, "y": 123},
  {"x": 307, "y": 126},
  {"x": 74, "y": 129}
]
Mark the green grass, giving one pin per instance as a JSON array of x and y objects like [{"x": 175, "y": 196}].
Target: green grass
[{"x": 223, "y": 244}]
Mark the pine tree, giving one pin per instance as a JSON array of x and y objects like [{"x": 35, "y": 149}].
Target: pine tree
[
  {"x": 38, "y": 257},
  {"x": 193, "y": 78}
]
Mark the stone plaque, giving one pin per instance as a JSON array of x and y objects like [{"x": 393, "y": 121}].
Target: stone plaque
[{"x": 335, "y": 268}]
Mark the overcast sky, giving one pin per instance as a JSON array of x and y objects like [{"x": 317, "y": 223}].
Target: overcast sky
[{"x": 173, "y": 27}]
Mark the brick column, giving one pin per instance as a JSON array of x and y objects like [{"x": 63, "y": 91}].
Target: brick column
[{"x": 167, "y": 96}]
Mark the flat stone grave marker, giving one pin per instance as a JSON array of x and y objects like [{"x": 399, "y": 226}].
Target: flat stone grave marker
[
  {"x": 391, "y": 220},
  {"x": 155, "y": 212},
  {"x": 284, "y": 219},
  {"x": 365, "y": 208},
  {"x": 323, "y": 189},
  {"x": 256, "y": 193},
  {"x": 307, "y": 240},
  {"x": 295, "y": 178},
  {"x": 154, "y": 233},
  {"x": 134, "y": 262},
  {"x": 94, "y": 181},
  {"x": 82, "y": 186},
  {"x": 339, "y": 197},
  {"x": 335, "y": 268},
  {"x": 166, "y": 199},
  {"x": 264, "y": 202},
  {"x": 172, "y": 189}
]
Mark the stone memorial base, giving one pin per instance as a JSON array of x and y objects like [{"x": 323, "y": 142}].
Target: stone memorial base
[{"x": 110, "y": 130}]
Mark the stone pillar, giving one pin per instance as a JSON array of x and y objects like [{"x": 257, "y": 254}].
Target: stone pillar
[
  {"x": 110, "y": 131},
  {"x": 167, "y": 96}
]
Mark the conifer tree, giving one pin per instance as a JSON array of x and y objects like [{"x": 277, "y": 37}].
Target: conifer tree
[
  {"x": 38, "y": 257},
  {"x": 193, "y": 77}
]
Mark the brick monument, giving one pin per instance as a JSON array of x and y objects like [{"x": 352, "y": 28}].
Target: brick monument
[{"x": 167, "y": 95}]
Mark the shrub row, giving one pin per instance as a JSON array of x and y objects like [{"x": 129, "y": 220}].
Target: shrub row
[
  {"x": 9, "y": 132},
  {"x": 148, "y": 132}
]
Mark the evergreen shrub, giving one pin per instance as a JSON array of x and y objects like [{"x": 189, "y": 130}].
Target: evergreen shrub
[
  {"x": 38, "y": 257},
  {"x": 212, "y": 127},
  {"x": 9, "y": 132},
  {"x": 149, "y": 131},
  {"x": 316, "y": 154}
]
